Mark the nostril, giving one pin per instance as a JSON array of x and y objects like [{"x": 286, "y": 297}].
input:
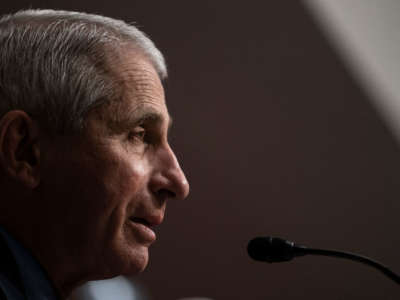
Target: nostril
[{"x": 166, "y": 194}]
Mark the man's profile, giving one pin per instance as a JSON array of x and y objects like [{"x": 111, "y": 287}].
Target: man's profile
[{"x": 85, "y": 164}]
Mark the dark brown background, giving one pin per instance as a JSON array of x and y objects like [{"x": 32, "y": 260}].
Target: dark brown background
[{"x": 276, "y": 138}]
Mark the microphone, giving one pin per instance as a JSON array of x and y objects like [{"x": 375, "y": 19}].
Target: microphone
[{"x": 273, "y": 249}]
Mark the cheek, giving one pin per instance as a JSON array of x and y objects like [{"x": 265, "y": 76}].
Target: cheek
[
  {"x": 126, "y": 175},
  {"x": 123, "y": 183},
  {"x": 97, "y": 187}
]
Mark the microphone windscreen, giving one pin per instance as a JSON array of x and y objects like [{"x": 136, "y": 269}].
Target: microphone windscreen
[{"x": 270, "y": 249}]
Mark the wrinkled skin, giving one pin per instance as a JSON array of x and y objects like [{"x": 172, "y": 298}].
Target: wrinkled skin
[{"x": 90, "y": 185}]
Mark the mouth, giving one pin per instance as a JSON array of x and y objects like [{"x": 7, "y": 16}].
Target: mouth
[
  {"x": 143, "y": 226},
  {"x": 141, "y": 221},
  {"x": 143, "y": 230},
  {"x": 149, "y": 220}
]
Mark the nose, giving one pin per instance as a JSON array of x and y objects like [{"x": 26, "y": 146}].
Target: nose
[{"x": 168, "y": 180}]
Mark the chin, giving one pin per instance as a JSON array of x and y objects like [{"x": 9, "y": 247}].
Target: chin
[
  {"x": 138, "y": 263},
  {"x": 126, "y": 255},
  {"x": 123, "y": 264},
  {"x": 133, "y": 261}
]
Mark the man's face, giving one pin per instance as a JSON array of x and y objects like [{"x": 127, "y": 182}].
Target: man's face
[{"x": 109, "y": 185}]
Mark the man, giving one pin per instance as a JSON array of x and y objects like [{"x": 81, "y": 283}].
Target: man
[{"x": 85, "y": 164}]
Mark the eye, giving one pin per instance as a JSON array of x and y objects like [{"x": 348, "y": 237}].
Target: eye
[{"x": 138, "y": 134}]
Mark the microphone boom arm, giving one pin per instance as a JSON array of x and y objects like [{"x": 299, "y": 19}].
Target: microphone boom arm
[
  {"x": 355, "y": 257},
  {"x": 275, "y": 250}
]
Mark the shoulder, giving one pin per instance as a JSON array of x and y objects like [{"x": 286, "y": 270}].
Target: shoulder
[{"x": 10, "y": 281}]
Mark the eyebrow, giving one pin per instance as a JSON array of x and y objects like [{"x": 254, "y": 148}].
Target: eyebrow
[{"x": 142, "y": 115}]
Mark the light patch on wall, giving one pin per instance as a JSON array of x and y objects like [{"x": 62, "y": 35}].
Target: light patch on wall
[{"x": 365, "y": 33}]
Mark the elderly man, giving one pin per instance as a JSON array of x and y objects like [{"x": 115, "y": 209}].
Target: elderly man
[{"x": 85, "y": 164}]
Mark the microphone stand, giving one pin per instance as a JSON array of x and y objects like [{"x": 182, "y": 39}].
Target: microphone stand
[{"x": 302, "y": 250}]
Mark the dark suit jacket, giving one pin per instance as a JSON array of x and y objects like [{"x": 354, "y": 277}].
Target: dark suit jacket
[
  {"x": 21, "y": 276},
  {"x": 8, "y": 270}
]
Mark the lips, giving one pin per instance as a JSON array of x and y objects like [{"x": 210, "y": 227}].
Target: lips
[
  {"x": 141, "y": 221},
  {"x": 143, "y": 227},
  {"x": 148, "y": 220}
]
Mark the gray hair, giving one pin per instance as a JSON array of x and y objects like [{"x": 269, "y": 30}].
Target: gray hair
[{"x": 55, "y": 65}]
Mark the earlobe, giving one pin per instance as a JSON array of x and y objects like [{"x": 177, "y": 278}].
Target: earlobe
[{"x": 19, "y": 148}]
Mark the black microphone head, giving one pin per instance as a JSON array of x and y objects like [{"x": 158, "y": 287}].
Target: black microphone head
[{"x": 270, "y": 249}]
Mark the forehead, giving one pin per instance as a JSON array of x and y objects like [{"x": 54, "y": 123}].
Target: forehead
[{"x": 141, "y": 93}]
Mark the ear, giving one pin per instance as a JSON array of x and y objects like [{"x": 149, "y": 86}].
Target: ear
[{"x": 19, "y": 148}]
